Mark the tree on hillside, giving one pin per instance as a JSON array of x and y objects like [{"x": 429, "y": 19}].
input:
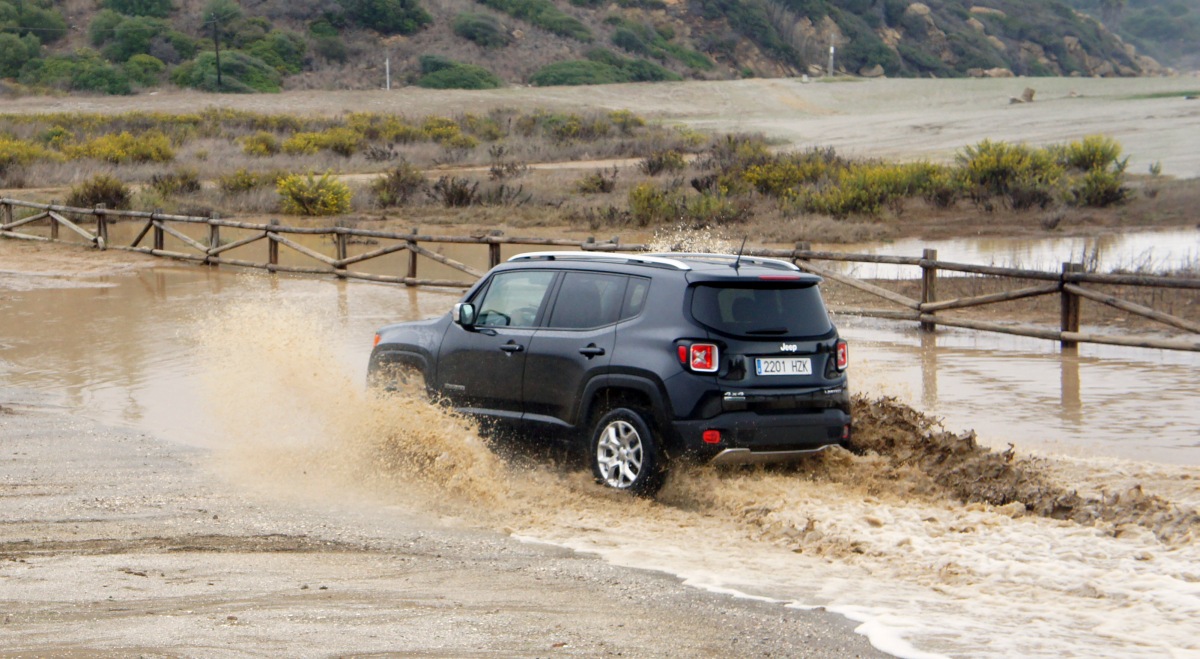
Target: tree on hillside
[{"x": 387, "y": 16}]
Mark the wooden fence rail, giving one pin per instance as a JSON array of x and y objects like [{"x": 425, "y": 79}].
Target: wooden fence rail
[{"x": 1068, "y": 284}]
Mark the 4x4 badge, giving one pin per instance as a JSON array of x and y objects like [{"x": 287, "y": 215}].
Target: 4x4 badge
[{"x": 788, "y": 347}]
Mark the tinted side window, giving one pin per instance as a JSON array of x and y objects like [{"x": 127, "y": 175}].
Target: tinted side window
[
  {"x": 588, "y": 299},
  {"x": 761, "y": 311},
  {"x": 514, "y": 298},
  {"x": 635, "y": 297}
]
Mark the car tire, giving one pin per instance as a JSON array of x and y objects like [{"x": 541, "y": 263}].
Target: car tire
[
  {"x": 625, "y": 453},
  {"x": 397, "y": 378}
]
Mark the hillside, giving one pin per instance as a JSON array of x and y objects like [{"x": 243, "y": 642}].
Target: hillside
[
  {"x": 1168, "y": 30},
  {"x": 120, "y": 46}
]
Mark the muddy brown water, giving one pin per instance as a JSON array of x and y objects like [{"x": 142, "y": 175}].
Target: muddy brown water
[
  {"x": 266, "y": 374},
  {"x": 1096, "y": 401}
]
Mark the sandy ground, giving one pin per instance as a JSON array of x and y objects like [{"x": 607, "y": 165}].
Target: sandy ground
[{"x": 119, "y": 544}]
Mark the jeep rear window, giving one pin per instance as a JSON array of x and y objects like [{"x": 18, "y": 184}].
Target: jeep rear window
[{"x": 758, "y": 310}]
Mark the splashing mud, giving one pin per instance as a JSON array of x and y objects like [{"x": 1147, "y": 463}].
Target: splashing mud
[
  {"x": 690, "y": 239},
  {"x": 937, "y": 544}
]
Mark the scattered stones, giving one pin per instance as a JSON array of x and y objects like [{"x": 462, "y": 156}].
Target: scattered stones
[
  {"x": 918, "y": 9},
  {"x": 987, "y": 11},
  {"x": 875, "y": 71},
  {"x": 998, "y": 72},
  {"x": 1025, "y": 97}
]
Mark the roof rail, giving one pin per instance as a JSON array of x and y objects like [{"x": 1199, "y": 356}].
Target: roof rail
[
  {"x": 731, "y": 258},
  {"x": 657, "y": 260}
]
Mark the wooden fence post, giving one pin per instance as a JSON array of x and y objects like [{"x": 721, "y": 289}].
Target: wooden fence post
[
  {"x": 1070, "y": 305},
  {"x": 53, "y": 222},
  {"x": 8, "y": 213},
  {"x": 214, "y": 235},
  {"x": 272, "y": 250},
  {"x": 493, "y": 255},
  {"x": 928, "y": 284},
  {"x": 101, "y": 227},
  {"x": 412, "y": 259},
  {"x": 342, "y": 251},
  {"x": 159, "y": 238},
  {"x": 801, "y": 246}
]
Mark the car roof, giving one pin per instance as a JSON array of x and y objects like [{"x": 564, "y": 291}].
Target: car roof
[{"x": 695, "y": 266}]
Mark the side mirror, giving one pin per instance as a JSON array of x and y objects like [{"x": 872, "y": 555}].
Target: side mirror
[{"x": 464, "y": 314}]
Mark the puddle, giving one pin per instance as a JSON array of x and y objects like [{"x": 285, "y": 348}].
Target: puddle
[{"x": 268, "y": 373}]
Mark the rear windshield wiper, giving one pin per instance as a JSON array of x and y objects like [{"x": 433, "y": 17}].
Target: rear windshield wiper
[{"x": 769, "y": 330}]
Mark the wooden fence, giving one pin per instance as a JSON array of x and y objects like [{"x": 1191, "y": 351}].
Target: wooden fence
[{"x": 1070, "y": 284}]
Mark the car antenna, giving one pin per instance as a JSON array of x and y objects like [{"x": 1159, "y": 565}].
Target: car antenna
[{"x": 738, "y": 260}]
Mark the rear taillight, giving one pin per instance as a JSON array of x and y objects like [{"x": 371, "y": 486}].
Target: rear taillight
[
  {"x": 699, "y": 357},
  {"x": 843, "y": 355},
  {"x": 376, "y": 340}
]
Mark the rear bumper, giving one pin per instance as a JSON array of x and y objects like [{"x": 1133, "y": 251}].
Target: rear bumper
[
  {"x": 744, "y": 456},
  {"x": 750, "y": 437}
]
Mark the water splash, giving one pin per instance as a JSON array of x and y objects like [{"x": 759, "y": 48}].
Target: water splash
[{"x": 934, "y": 541}]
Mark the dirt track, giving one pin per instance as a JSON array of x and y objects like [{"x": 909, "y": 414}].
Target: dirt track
[{"x": 870, "y": 118}]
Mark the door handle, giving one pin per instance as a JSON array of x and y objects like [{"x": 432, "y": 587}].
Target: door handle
[
  {"x": 592, "y": 350},
  {"x": 511, "y": 347}
]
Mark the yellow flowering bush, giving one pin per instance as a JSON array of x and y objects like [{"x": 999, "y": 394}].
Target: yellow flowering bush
[
  {"x": 305, "y": 194},
  {"x": 124, "y": 147}
]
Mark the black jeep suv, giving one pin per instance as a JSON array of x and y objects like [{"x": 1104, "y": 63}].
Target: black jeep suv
[{"x": 646, "y": 357}]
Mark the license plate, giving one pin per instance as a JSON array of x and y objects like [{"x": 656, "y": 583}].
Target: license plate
[{"x": 783, "y": 366}]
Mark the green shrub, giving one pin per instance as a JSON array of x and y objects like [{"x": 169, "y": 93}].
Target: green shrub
[
  {"x": 441, "y": 73},
  {"x": 455, "y": 192},
  {"x": 483, "y": 29},
  {"x": 261, "y": 144},
  {"x": 83, "y": 70},
  {"x": 715, "y": 209},
  {"x": 1100, "y": 187},
  {"x": 16, "y": 51},
  {"x": 244, "y": 180},
  {"x": 599, "y": 181},
  {"x": 103, "y": 25},
  {"x": 180, "y": 181},
  {"x": 157, "y": 8},
  {"x": 649, "y": 204},
  {"x": 145, "y": 70},
  {"x": 240, "y": 73},
  {"x": 14, "y": 152},
  {"x": 282, "y": 49},
  {"x": 36, "y": 17},
  {"x": 310, "y": 195},
  {"x": 398, "y": 185},
  {"x": 447, "y": 132},
  {"x": 342, "y": 141},
  {"x": 662, "y": 161},
  {"x": 1023, "y": 176},
  {"x": 133, "y": 36},
  {"x": 1091, "y": 153},
  {"x": 626, "y": 121},
  {"x": 544, "y": 14},
  {"x": 125, "y": 147},
  {"x": 387, "y": 16},
  {"x": 100, "y": 189},
  {"x": 331, "y": 48},
  {"x": 576, "y": 72}
]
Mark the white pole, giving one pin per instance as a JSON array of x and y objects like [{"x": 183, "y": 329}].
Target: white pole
[
  {"x": 830, "y": 69},
  {"x": 387, "y": 68}
]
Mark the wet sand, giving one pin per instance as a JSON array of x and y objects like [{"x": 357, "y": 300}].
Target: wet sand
[{"x": 115, "y": 543}]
